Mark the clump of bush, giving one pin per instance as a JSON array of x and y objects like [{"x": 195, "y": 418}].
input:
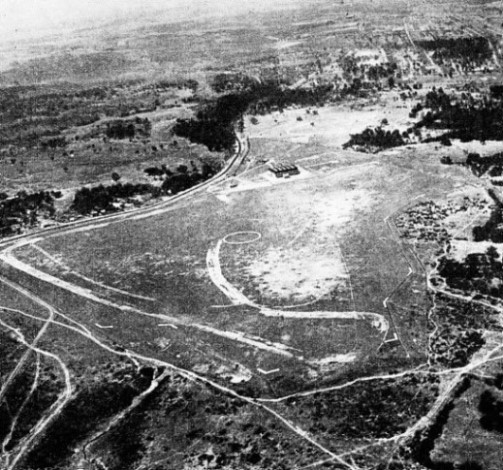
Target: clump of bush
[
  {"x": 375, "y": 139},
  {"x": 101, "y": 198}
]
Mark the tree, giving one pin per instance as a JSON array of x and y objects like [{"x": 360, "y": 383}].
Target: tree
[
  {"x": 116, "y": 177},
  {"x": 444, "y": 140},
  {"x": 493, "y": 254}
]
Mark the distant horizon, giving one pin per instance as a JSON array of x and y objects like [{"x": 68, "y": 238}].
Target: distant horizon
[{"x": 36, "y": 18}]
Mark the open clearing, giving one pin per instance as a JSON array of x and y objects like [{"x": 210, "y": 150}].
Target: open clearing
[
  {"x": 291, "y": 275},
  {"x": 331, "y": 125}
]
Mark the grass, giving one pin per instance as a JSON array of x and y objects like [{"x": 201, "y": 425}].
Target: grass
[
  {"x": 165, "y": 258},
  {"x": 336, "y": 212},
  {"x": 12, "y": 299}
]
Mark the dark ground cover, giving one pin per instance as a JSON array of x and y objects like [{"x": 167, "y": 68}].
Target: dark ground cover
[
  {"x": 479, "y": 273},
  {"x": 374, "y": 409},
  {"x": 102, "y": 197},
  {"x": 23, "y": 210},
  {"x": 469, "y": 50},
  {"x": 186, "y": 424},
  {"x": 17, "y": 401},
  {"x": 460, "y": 328},
  {"x": 37, "y": 116},
  {"x": 376, "y": 139},
  {"x": 463, "y": 116},
  {"x": 466, "y": 433},
  {"x": 92, "y": 404}
]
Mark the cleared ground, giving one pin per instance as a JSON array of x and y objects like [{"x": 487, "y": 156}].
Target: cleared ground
[
  {"x": 272, "y": 282},
  {"x": 332, "y": 125}
]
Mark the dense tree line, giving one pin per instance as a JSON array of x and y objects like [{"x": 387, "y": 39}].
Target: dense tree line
[
  {"x": 102, "y": 197},
  {"x": 376, "y": 139},
  {"x": 365, "y": 72},
  {"x": 53, "y": 142},
  {"x": 461, "y": 55},
  {"x": 23, "y": 210},
  {"x": 213, "y": 125},
  {"x": 189, "y": 83},
  {"x": 182, "y": 178},
  {"x": 467, "y": 118},
  {"x": 120, "y": 130},
  {"x": 269, "y": 97},
  {"x": 181, "y": 181},
  {"x": 492, "y": 165},
  {"x": 214, "y": 134},
  {"x": 474, "y": 49},
  {"x": 492, "y": 230},
  {"x": 479, "y": 272}
]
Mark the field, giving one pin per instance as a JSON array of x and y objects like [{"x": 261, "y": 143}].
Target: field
[
  {"x": 282, "y": 275},
  {"x": 332, "y": 125},
  {"x": 267, "y": 287}
]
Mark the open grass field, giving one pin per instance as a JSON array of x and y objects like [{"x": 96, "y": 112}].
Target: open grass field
[
  {"x": 272, "y": 282},
  {"x": 332, "y": 125}
]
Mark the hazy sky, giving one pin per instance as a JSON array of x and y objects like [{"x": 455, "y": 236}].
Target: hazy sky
[{"x": 37, "y": 15}]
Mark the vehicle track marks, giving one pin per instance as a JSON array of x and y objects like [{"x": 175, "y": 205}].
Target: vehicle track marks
[
  {"x": 189, "y": 375},
  {"x": 56, "y": 408},
  {"x": 13, "y": 425},
  {"x": 87, "y": 279}
]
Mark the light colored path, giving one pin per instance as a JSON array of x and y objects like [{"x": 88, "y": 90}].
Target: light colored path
[
  {"x": 189, "y": 375},
  {"x": 19, "y": 366},
  {"x": 87, "y": 279},
  {"x": 489, "y": 357},
  {"x": 238, "y": 298},
  {"x": 10, "y": 461},
  {"x": 15, "y": 420},
  {"x": 256, "y": 342}
]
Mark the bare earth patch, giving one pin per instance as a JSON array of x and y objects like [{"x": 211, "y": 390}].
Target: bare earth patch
[
  {"x": 299, "y": 263},
  {"x": 332, "y": 125},
  {"x": 462, "y": 248},
  {"x": 299, "y": 274}
]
